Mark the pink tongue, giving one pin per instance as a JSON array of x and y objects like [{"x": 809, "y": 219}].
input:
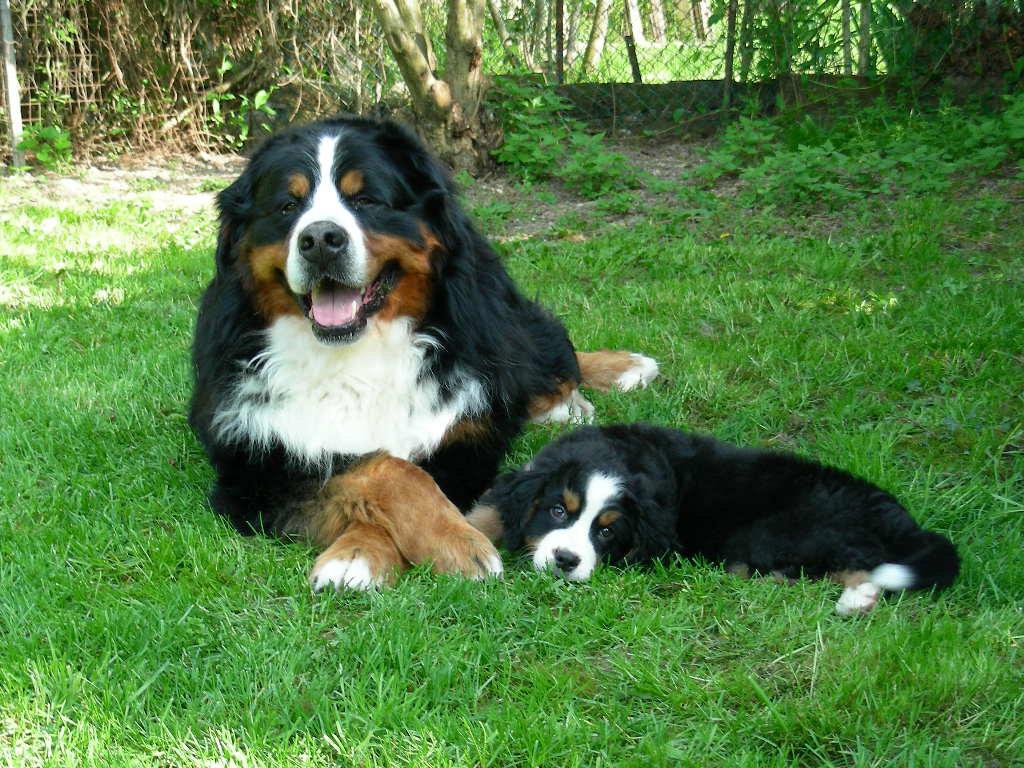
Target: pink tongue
[{"x": 334, "y": 305}]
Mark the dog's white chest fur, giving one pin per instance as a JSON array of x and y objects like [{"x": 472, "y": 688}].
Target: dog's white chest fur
[{"x": 354, "y": 399}]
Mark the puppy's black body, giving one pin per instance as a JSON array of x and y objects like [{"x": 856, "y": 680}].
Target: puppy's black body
[{"x": 669, "y": 491}]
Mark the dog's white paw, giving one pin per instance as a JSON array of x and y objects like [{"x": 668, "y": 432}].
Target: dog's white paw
[
  {"x": 350, "y": 573},
  {"x": 575, "y": 409},
  {"x": 858, "y": 599},
  {"x": 643, "y": 371},
  {"x": 493, "y": 568}
]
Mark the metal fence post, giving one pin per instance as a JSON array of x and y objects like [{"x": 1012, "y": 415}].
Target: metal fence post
[{"x": 12, "y": 98}]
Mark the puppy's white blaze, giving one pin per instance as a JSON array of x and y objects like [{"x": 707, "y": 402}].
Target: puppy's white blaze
[
  {"x": 576, "y": 538},
  {"x": 893, "y": 576},
  {"x": 370, "y": 395},
  {"x": 352, "y": 573},
  {"x": 325, "y": 204},
  {"x": 643, "y": 371}
]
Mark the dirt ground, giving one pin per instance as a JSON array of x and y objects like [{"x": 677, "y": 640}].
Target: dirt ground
[{"x": 188, "y": 184}]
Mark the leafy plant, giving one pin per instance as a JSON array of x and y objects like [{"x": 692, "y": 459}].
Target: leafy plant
[
  {"x": 877, "y": 150},
  {"x": 234, "y": 114},
  {"x": 49, "y": 145},
  {"x": 542, "y": 143}
]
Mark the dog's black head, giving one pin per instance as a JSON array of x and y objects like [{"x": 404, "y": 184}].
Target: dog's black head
[
  {"x": 339, "y": 222},
  {"x": 573, "y": 509}
]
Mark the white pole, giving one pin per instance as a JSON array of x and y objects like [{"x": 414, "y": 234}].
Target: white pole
[{"x": 12, "y": 97}]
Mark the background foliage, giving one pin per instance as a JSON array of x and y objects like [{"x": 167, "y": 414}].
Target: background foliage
[{"x": 203, "y": 74}]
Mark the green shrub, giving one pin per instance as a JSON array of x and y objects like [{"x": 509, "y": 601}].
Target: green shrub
[
  {"x": 541, "y": 143},
  {"x": 878, "y": 150},
  {"x": 49, "y": 145}
]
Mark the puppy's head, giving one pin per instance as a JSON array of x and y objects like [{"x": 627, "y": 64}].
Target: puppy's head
[
  {"x": 339, "y": 222},
  {"x": 570, "y": 516}
]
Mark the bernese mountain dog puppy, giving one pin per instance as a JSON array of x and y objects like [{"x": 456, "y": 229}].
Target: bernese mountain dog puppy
[
  {"x": 634, "y": 493},
  {"x": 362, "y": 359}
]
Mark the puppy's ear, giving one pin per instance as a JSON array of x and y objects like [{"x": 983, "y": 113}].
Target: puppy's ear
[
  {"x": 233, "y": 205},
  {"x": 654, "y": 524},
  {"x": 513, "y": 496}
]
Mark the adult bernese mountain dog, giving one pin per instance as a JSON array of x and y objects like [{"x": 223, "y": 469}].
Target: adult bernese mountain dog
[
  {"x": 363, "y": 360},
  {"x": 633, "y": 493}
]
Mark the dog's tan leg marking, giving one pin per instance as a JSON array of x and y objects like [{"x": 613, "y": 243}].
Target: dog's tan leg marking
[
  {"x": 363, "y": 557},
  {"x": 564, "y": 405},
  {"x": 425, "y": 526},
  {"x": 606, "y": 369},
  {"x": 741, "y": 570},
  {"x": 486, "y": 519}
]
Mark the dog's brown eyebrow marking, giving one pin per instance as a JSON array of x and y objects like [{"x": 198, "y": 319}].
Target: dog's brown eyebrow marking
[
  {"x": 351, "y": 183},
  {"x": 607, "y": 518},
  {"x": 298, "y": 185},
  {"x": 572, "y": 501}
]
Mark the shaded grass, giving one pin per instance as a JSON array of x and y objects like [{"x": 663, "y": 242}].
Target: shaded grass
[{"x": 137, "y": 629}]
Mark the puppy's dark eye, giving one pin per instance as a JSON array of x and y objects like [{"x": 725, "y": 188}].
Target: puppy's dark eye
[
  {"x": 558, "y": 512},
  {"x": 606, "y": 534},
  {"x": 362, "y": 201},
  {"x": 289, "y": 207}
]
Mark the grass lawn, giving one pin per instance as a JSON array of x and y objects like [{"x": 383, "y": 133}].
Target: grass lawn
[{"x": 888, "y": 338}]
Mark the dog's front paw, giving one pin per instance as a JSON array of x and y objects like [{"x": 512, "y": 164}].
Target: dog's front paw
[
  {"x": 344, "y": 572},
  {"x": 468, "y": 553}
]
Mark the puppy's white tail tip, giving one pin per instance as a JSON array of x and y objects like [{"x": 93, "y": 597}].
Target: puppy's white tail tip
[{"x": 893, "y": 577}]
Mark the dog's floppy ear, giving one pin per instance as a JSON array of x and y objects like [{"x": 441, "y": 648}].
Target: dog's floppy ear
[
  {"x": 233, "y": 205},
  {"x": 429, "y": 183},
  {"x": 513, "y": 496},
  {"x": 654, "y": 524}
]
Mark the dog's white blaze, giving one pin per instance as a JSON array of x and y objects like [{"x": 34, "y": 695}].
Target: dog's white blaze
[
  {"x": 353, "y": 399},
  {"x": 325, "y": 204},
  {"x": 576, "y": 538}
]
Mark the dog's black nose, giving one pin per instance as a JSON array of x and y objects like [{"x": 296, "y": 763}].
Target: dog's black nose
[
  {"x": 322, "y": 242},
  {"x": 566, "y": 560}
]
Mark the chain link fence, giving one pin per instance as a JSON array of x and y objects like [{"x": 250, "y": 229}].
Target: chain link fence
[{"x": 188, "y": 75}]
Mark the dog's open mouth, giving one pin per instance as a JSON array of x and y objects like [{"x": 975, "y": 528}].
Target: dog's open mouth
[{"x": 339, "y": 312}]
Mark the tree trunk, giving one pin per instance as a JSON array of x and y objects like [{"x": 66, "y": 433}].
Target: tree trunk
[
  {"x": 656, "y": 18},
  {"x": 635, "y": 23},
  {"x": 864, "y": 43},
  {"x": 503, "y": 35},
  {"x": 447, "y": 109},
  {"x": 535, "y": 44},
  {"x": 572, "y": 41},
  {"x": 730, "y": 53},
  {"x": 747, "y": 39},
  {"x": 700, "y": 19},
  {"x": 598, "y": 34},
  {"x": 12, "y": 96},
  {"x": 847, "y": 43}
]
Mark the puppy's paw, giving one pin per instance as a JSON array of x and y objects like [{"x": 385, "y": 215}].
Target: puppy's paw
[
  {"x": 856, "y": 600},
  {"x": 642, "y": 371},
  {"x": 344, "y": 572}
]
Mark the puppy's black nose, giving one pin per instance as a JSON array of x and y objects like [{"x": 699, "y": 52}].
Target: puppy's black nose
[
  {"x": 322, "y": 242},
  {"x": 566, "y": 560}
]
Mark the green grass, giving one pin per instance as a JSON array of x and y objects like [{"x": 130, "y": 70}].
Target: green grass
[{"x": 137, "y": 629}]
